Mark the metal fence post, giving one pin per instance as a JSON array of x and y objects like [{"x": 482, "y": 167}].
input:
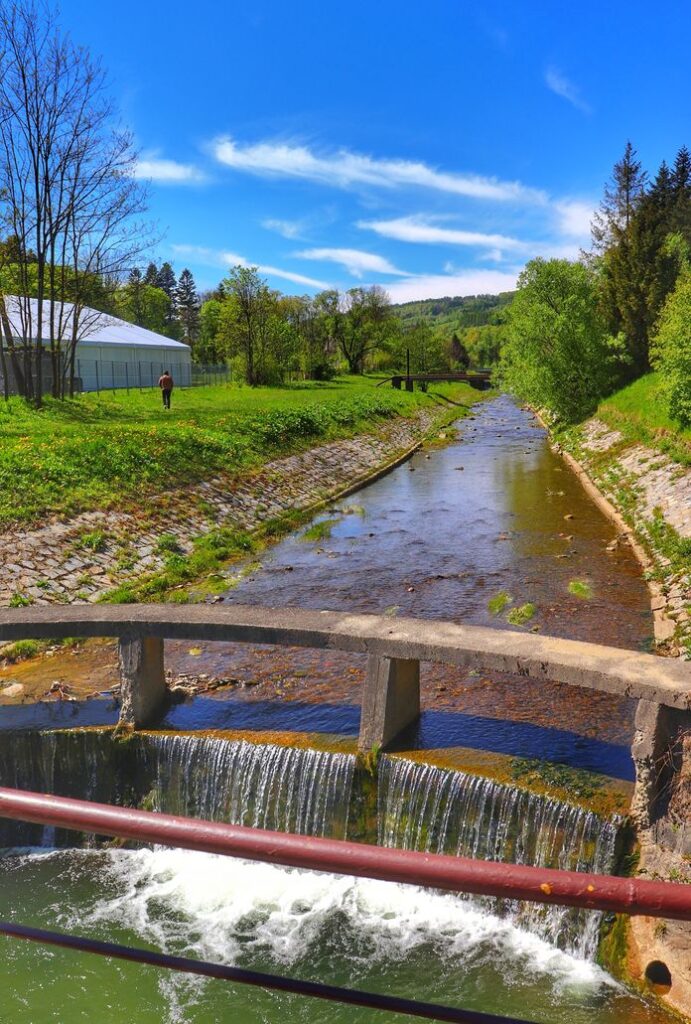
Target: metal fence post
[{"x": 98, "y": 384}]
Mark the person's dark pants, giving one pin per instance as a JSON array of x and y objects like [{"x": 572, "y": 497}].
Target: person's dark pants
[{"x": 165, "y": 394}]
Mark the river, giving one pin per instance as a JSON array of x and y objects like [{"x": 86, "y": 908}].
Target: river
[{"x": 490, "y": 512}]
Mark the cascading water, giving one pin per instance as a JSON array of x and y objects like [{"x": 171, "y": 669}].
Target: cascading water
[
  {"x": 283, "y": 789},
  {"x": 426, "y": 808}
]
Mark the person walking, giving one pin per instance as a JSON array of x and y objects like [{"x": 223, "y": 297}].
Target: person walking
[{"x": 166, "y": 384}]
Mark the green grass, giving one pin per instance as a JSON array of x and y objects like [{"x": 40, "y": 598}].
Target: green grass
[
  {"x": 639, "y": 411},
  {"x": 100, "y": 452}
]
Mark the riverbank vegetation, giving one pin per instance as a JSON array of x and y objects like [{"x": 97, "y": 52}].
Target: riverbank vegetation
[
  {"x": 97, "y": 452},
  {"x": 577, "y": 332}
]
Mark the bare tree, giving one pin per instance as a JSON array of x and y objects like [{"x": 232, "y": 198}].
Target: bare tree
[{"x": 69, "y": 191}]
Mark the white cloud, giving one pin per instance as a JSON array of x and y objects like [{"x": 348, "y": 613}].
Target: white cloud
[
  {"x": 574, "y": 217},
  {"x": 466, "y": 282},
  {"x": 561, "y": 85},
  {"x": 421, "y": 229},
  {"x": 288, "y": 275},
  {"x": 355, "y": 261},
  {"x": 225, "y": 260},
  {"x": 287, "y": 228},
  {"x": 168, "y": 172},
  {"x": 345, "y": 169}
]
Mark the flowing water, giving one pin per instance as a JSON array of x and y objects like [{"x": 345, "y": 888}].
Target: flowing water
[{"x": 495, "y": 511}]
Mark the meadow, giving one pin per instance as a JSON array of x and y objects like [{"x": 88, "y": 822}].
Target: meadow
[{"x": 98, "y": 452}]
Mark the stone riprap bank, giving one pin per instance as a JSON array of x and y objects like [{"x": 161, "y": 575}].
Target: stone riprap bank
[{"x": 54, "y": 564}]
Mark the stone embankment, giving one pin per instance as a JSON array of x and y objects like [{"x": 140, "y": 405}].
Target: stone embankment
[
  {"x": 84, "y": 558},
  {"x": 649, "y": 496}
]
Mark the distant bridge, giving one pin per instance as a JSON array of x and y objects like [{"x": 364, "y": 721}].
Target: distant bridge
[
  {"x": 479, "y": 379},
  {"x": 395, "y": 648}
]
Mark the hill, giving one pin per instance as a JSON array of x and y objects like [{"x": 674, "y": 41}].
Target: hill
[{"x": 454, "y": 313}]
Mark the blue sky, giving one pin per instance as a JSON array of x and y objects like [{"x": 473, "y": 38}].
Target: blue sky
[{"x": 429, "y": 148}]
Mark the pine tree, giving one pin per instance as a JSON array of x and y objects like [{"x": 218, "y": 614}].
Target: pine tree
[
  {"x": 621, "y": 199},
  {"x": 187, "y": 306},
  {"x": 135, "y": 287},
  {"x": 151, "y": 275},
  {"x": 167, "y": 282},
  {"x": 624, "y": 251}
]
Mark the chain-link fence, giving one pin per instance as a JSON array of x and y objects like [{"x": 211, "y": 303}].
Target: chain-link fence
[{"x": 110, "y": 375}]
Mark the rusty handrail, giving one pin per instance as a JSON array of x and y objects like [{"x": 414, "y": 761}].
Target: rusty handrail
[{"x": 439, "y": 871}]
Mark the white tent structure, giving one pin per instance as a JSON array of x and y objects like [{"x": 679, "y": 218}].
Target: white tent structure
[{"x": 110, "y": 353}]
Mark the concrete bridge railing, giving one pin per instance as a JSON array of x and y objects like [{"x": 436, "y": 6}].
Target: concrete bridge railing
[{"x": 394, "y": 647}]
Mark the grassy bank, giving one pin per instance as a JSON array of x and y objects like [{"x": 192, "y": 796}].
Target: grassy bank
[
  {"x": 639, "y": 412},
  {"x": 101, "y": 452}
]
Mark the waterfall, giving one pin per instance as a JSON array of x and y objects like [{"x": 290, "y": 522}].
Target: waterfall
[
  {"x": 413, "y": 806},
  {"x": 283, "y": 789},
  {"x": 426, "y": 808}
]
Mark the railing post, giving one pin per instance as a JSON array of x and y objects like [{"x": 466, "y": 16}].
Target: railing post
[
  {"x": 142, "y": 679},
  {"x": 390, "y": 700}
]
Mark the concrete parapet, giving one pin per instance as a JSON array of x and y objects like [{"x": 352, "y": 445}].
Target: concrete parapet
[{"x": 390, "y": 701}]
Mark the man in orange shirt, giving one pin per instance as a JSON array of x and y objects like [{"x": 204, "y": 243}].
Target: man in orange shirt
[{"x": 165, "y": 383}]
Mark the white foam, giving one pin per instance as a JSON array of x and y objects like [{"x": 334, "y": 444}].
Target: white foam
[{"x": 218, "y": 908}]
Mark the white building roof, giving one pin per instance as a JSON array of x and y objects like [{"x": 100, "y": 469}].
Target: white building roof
[{"x": 95, "y": 328}]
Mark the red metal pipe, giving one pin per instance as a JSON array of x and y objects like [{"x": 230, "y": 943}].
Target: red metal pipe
[
  {"x": 454, "y": 874},
  {"x": 316, "y": 989}
]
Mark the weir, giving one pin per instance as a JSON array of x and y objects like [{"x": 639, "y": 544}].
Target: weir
[{"x": 396, "y": 803}]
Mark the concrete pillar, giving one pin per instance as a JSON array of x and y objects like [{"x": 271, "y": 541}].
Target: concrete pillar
[
  {"x": 396, "y": 383},
  {"x": 142, "y": 679},
  {"x": 409, "y": 384},
  {"x": 656, "y": 728},
  {"x": 390, "y": 701}
]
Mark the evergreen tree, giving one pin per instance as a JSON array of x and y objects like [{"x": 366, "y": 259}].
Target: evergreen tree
[
  {"x": 187, "y": 306},
  {"x": 135, "y": 287},
  {"x": 458, "y": 352},
  {"x": 167, "y": 282},
  {"x": 625, "y": 257},
  {"x": 151, "y": 275}
]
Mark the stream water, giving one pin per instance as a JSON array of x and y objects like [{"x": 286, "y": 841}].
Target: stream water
[{"x": 494, "y": 511}]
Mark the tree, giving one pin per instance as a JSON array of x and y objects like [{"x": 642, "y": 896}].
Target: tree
[
  {"x": 187, "y": 305},
  {"x": 143, "y": 305},
  {"x": 167, "y": 282},
  {"x": 67, "y": 190},
  {"x": 367, "y": 323},
  {"x": 458, "y": 352},
  {"x": 671, "y": 348},
  {"x": 557, "y": 353},
  {"x": 251, "y": 326},
  {"x": 210, "y": 347}
]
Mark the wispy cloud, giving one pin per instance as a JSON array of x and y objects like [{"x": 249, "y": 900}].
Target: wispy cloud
[
  {"x": 437, "y": 286},
  {"x": 356, "y": 262},
  {"x": 425, "y": 229},
  {"x": 418, "y": 228},
  {"x": 562, "y": 86},
  {"x": 168, "y": 172},
  {"x": 225, "y": 260},
  {"x": 292, "y": 229},
  {"x": 344, "y": 169}
]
